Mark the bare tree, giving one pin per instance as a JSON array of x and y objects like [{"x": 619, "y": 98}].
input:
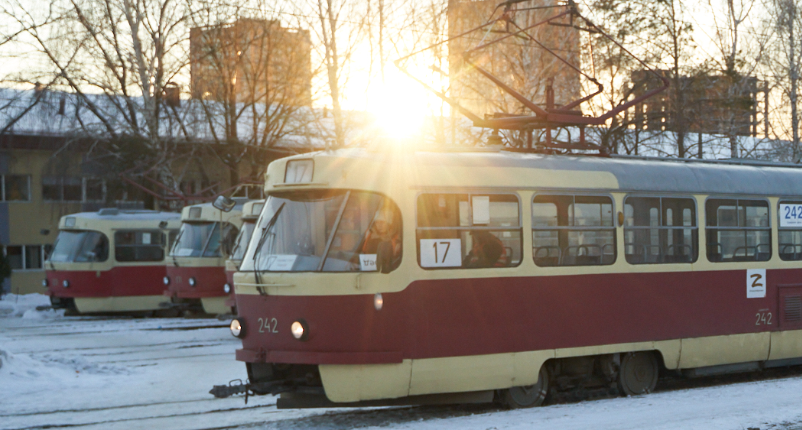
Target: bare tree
[
  {"x": 337, "y": 28},
  {"x": 737, "y": 86},
  {"x": 784, "y": 59},
  {"x": 251, "y": 77}
]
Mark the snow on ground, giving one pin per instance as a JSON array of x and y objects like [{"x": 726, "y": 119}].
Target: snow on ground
[
  {"x": 127, "y": 373},
  {"x": 15, "y": 305}
]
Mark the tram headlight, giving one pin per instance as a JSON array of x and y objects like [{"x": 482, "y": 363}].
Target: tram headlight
[
  {"x": 191, "y": 282},
  {"x": 65, "y": 283},
  {"x": 227, "y": 288},
  {"x": 166, "y": 280},
  {"x": 300, "y": 330},
  {"x": 237, "y": 328},
  {"x": 378, "y": 301},
  {"x": 44, "y": 282}
]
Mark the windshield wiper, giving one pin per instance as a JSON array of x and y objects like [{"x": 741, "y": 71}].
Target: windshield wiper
[
  {"x": 175, "y": 243},
  {"x": 265, "y": 231}
]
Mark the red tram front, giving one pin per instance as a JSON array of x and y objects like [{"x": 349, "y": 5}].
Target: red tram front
[{"x": 110, "y": 261}]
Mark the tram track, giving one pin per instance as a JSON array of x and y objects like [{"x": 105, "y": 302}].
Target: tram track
[
  {"x": 348, "y": 419},
  {"x": 140, "y": 418},
  {"x": 128, "y": 348}
]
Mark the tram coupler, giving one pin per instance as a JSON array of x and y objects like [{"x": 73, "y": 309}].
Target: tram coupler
[{"x": 262, "y": 388}]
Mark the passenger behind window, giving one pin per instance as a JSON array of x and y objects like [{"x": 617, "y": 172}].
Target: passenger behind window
[
  {"x": 486, "y": 251},
  {"x": 383, "y": 229}
]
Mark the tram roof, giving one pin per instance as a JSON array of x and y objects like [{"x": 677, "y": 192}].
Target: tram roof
[
  {"x": 647, "y": 174},
  {"x": 128, "y": 215},
  {"x": 240, "y": 201}
]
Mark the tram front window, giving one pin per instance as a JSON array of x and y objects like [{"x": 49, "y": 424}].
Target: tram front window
[
  {"x": 80, "y": 247},
  {"x": 203, "y": 239},
  {"x": 330, "y": 231},
  {"x": 241, "y": 243}
]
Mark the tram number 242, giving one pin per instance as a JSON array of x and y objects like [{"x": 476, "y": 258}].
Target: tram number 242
[{"x": 268, "y": 325}]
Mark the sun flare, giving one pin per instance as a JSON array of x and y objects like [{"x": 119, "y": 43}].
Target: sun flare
[{"x": 399, "y": 106}]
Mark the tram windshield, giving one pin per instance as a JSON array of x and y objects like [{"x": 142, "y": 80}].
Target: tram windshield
[
  {"x": 329, "y": 231},
  {"x": 242, "y": 240},
  {"x": 204, "y": 239},
  {"x": 80, "y": 246}
]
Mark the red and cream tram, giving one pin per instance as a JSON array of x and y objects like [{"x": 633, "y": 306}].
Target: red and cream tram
[
  {"x": 250, "y": 213},
  {"x": 196, "y": 276},
  {"x": 386, "y": 278},
  {"x": 110, "y": 261}
]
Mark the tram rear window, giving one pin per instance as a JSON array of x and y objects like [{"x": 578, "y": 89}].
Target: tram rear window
[
  {"x": 738, "y": 230},
  {"x": 468, "y": 230},
  {"x": 80, "y": 246},
  {"x": 138, "y": 245},
  {"x": 572, "y": 230},
  {"x": 790, "y": 230}
]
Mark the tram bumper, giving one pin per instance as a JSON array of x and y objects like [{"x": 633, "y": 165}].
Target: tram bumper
[{"x": 305, "y": 357}]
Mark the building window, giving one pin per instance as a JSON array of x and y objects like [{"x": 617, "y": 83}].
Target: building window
[
  {"x": 468, "y": 231},
  {"x": 569, "y": 230},
  {"x": 738, "y": 230},
  {"x": 14, "y": 256},
  {"x": 16, "y": 188},
  {"x": 73, "y": 189},
  {"x": 660, "y": 230},
  {"x": 25, "y": 257}
]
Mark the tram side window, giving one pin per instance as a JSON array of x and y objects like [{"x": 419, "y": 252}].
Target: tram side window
[
  {"x": 660, "y": 230},
  {"x": 790, "y": 230},
  {"x": 571, "y": 230},
  {"x": 138, "y": 245},
  {"x": 738, "y": 230},
  {"x": 468, "y": 230}
]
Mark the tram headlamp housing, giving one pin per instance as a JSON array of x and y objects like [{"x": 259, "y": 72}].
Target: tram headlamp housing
[
  {"x": 237, "y": 328},
  {"x": 300, "y": 330},
  {"x": 227, "y": 288},
  {"x": 378, "y": 301},
  {"x": 166, "y": 280},
  {"x": 65, "y": 283},
  {"x": 191, "y": 282}
]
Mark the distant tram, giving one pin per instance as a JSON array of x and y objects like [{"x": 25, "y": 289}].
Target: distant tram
[
  {"x": 196, "y": 277},
  {"x": 406, "y": 278},
  {"x": 110, "y": 261},
  {"x": 250, "y": 213}
]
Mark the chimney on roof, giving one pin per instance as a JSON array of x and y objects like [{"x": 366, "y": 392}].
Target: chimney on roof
[
  {"x": 62, "y": 104},
  {"x": 172, "y": 94}
]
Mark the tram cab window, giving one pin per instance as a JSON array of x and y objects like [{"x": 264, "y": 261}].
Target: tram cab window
[
  {"x": 660, "y": 230},
  {"x": 738, "y": 230},
  {"x": 80, "y": 246},
  {"x": 790, "y": 230},
  {"x": 204, "y": 239},
  {"x": 221, "y": 242},
  {"x": 468, "y": 230},
  {"x": 572, "y": 230},
  {"x": 325, "y": 230},
  {"x": 138, "y": 245}
]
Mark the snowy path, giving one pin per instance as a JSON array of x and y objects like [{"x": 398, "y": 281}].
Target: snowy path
[{"x": 122, "y": 373}]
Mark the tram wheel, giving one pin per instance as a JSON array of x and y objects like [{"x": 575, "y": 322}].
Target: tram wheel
[
  {"x": 528, "y": 396},
  {"x": 638, "y": 373}
]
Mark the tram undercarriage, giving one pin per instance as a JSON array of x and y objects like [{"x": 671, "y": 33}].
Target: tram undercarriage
[{"x": 300, "y": 385}]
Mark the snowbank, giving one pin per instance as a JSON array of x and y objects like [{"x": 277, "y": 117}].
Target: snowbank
[{"x": 24, "y": 305}]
